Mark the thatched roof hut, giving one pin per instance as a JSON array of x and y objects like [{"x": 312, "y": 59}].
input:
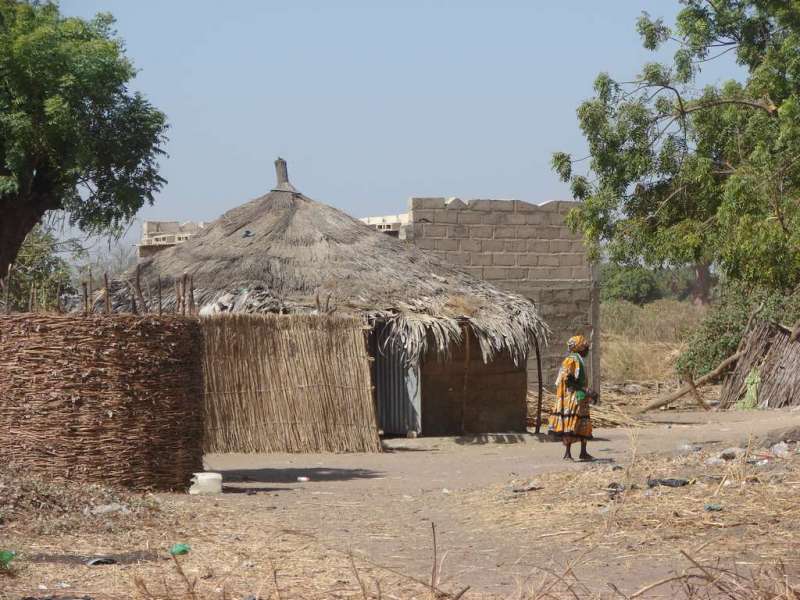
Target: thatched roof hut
[{"x": 286, "y": 253}]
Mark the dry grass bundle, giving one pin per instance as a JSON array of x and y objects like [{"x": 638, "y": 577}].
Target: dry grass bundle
[
  {"x": 288, "y": 383},
  {"x": 605, "y": 414},
  {"x": 114, "y": 400}
]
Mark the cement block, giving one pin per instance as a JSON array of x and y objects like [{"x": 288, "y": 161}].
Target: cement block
[
  {"x": 504, "y": 260},
  {"x": 555, "y": 218},
  {"x": 559, "y": 246},
  {"x": 425, "y": 243},
  {"x": 429, "y": 203},
  {"x": 434, "y": 231},
  {"x": 528, "y": 259},
  {"x": 503, "y": 232},
  {"x": 447, "y": 245},
  {"x": 539, "y": 246},
  {"x": 422, "y": 215},
  {"x": 536, "y": 218},
  {"x": 506, "y": 205},
  {"x": 513, "y": 218},
  {"x": 549, "y": 260},
  {"x": 457, "y": 231},
  {"x": 481, "y": 231},
  {"x": 516, "y": 246},
  {"x": 493, "y": 245},
  {"x": 445, "y": 216},
  {"x": 581, "y": 273},
  {"x": 481, "y": 258},
  {"x": 493, "y": 217},
  {"x": 469, "y": 217},
  {"x": 527, "y": 232},
  {"x": 470, "y": 245}
]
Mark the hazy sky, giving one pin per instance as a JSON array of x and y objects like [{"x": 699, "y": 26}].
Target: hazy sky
[{"x": 370, "y": 102}]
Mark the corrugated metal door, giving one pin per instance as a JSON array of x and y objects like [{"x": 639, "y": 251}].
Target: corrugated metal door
[{"x": 397, "y": 389}]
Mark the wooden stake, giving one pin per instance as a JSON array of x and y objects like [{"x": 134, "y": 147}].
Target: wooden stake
[
  {"x": 183, "y": 294},
  {"x": 160, "y": 310},
  {"x": 191, "y": 295},
  {"x": 58, "y": 298},
  {"x": 541, "y": 384},
  {"x": 177, "y": 296},
  {"x": 91, "y": 291},
  {"x": 138, "y": 289},
  {"x": 8, "y": 289},
  {"x": 85, "y": 289},
  {"x": 134, "y": 308},
  {"x": 108, "y": 293},
  {"x": 698, "y": 398},
  {"x": 659, "y": 402}
]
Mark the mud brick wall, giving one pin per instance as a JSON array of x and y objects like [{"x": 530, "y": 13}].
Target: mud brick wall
[
  {"x": 463, "y": 395},
  {"x": 523, "y": 247}
]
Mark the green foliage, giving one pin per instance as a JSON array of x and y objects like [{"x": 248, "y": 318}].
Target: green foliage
[
  {"x": 688, "y": 177},
  {"x": 41, "y": 271},
  {"x": 719, "y": 334},
  {"x": 73, "y": 137},
  {"x": 635, "y": 284}
]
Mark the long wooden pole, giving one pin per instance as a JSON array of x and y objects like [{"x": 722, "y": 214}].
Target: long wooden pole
[
  {"x": 707, "y": 378},
  {"x": 160, "y": 309},
  {"x": 108, "y": 293},
  {"x": 541, "y": 384},
  {"x": 8, "y": 289}
]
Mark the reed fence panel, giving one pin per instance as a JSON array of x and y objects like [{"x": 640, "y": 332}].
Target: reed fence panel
[
  {"x": 113, "y": 399},
  {"x": 288, "y": 383}
]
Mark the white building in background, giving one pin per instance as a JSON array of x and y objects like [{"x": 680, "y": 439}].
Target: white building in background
[{"x": 157, "y": 235}]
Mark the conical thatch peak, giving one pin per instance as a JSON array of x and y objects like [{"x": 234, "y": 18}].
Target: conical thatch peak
[{"x": 284, "y": 252}]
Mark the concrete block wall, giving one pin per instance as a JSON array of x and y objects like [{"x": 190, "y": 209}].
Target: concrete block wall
[{"x": 523, "y": 247}]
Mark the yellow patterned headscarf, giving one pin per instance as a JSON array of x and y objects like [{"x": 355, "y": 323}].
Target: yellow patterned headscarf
[{"x": 578, "y": 343}]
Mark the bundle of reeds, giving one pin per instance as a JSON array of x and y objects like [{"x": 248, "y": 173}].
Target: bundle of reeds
[
  {"x": 768, "y": 349},
  {"x": 288, "y": 383},
  {"x": 113, "y": 399}
]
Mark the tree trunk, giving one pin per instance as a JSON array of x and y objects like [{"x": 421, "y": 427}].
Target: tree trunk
[
  {"x": 701, "y": 293},
  {"x": 16, "y": 221}
]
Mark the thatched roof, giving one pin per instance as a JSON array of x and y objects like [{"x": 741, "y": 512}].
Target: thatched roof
[{"x": 284, "y": 252}]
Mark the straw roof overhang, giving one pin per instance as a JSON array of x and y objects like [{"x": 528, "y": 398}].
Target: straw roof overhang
[{"x": 284, "y": 252}]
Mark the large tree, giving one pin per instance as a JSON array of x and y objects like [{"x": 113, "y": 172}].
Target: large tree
[
  {"x": 710, "y": 176},
  {"x": 73, "y": 136}
]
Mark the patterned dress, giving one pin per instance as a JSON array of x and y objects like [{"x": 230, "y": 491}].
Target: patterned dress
[{"x": 570, "y": 418}]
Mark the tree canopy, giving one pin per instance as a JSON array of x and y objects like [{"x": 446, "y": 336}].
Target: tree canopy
[
  {"x": 73, "y": 136},
  {"x": 711, "y": 176}
]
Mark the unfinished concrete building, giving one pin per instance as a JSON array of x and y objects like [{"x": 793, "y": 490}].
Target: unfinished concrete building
[
  {"x": 523, "y": 247},
  {"x": 158, "y": 235}
]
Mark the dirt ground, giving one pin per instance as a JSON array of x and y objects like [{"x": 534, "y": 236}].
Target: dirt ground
[{"x": 361, "y": 519}]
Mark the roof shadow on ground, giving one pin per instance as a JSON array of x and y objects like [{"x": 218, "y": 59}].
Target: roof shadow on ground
[{"x": 291, "y": 475}]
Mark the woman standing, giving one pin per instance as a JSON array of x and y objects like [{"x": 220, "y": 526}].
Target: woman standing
[{"x": 570, "y": 418}]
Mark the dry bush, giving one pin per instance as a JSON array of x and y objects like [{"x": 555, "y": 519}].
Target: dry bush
[
  {"x": 666, "y": 321},
  {"x": 642, "y": 343}
]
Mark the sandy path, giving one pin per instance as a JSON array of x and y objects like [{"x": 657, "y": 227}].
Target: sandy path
[{"x": 382, "y": 506}]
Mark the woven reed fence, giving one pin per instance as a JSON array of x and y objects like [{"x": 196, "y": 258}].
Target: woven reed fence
[
  {"x": 766, "y": 348},
  {"x": 112, "y": 399},
  {"x": 288, "y": 383}
]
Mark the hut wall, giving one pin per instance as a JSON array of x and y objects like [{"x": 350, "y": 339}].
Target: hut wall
[
  {"x": 288, "y": 383},
  {"x": 462, "y": 395},
  {"x": 525, "y": 248},
  {"x": 112, "y": 399}
]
